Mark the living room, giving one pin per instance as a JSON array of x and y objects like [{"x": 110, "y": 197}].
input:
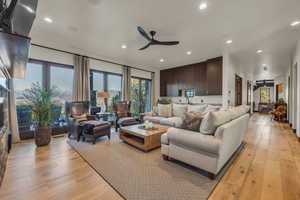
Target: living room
[{"x": 123, "y": 100}]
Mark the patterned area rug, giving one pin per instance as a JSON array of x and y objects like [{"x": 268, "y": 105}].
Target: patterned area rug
[{"x": 137, "y": 175}]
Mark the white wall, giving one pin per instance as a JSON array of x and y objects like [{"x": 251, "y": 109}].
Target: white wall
[
  {"x": 230, "y": 69},
  {"x": 295, "y": 107}
]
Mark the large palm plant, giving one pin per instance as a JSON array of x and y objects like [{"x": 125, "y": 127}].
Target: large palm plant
[{"x": 40, "y": 100}]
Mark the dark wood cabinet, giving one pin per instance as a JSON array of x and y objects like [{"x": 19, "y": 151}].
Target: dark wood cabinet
[
  {"x": 214, "y": 76},
  {"x": 205, "y": 78}
]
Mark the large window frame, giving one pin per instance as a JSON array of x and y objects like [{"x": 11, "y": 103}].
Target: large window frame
[
  {"x": 105, "y": 82},
  {"x": 140, "y": 95},
  {"x": 58, "y": 126}
]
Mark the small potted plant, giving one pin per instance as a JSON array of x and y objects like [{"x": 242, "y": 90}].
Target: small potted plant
[{"x": 40, "y": 100}]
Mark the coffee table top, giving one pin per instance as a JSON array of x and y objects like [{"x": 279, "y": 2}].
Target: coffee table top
[{"x": 135, "y": 130}]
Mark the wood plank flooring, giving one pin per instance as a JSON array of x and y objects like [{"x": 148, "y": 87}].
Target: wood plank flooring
[{"x": 268, "y": 168}]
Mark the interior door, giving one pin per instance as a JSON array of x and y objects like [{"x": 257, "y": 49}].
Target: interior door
[{"x": 238, "y": 90}]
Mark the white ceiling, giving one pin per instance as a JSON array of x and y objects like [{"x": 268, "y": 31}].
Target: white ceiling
[{"x": 99, "y": 28}]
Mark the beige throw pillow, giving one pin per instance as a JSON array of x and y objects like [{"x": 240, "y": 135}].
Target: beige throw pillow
[
  {"x": 179, "y": 110},
  {"x": 212, "y": 120},
  {"x": 164, "y": 110},
  {"x": 192, "y": 121}
]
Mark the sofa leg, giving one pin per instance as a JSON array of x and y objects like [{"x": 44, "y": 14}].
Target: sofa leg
[
  {"x": 211, "y": 176},
  {"x": 165, "y": 157}
]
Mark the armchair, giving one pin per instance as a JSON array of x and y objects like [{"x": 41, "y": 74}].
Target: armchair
[
  {"x": 76, "y": 113},
  {"x": 280, "y": 113},
  {"x": 123, "y": 114}
]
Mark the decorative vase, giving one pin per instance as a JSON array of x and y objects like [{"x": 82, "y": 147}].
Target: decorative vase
[{"x": 42, "y": 136}]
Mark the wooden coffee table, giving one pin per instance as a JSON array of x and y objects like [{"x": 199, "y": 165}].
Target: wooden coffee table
[{"x": 145, "y": 140}]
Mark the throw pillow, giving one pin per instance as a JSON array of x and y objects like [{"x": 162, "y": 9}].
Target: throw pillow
[
  {"x": 179, "y": 110},
  {"x": 164, "y": 110},
  {"x": 197, "y": 108},
  {"x": 192, "y": 121},
  {"x": 212, "y": 120}
]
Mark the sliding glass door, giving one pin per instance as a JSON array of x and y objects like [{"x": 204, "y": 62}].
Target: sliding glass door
[
  {"x": 140, "y": 95},
  {"x": 105, "y": 82},
  {"x": 49, "y": 75}
]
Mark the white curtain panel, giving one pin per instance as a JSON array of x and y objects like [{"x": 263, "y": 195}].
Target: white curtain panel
[
  {"x": 126, "y": 83},
  {"x": 153, "y": 95},
  {"x": 81, "y": 84},
  {"x": 13, "y": 113}
]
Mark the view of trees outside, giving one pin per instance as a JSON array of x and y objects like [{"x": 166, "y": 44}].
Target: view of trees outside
[
  {"x": 61, "y": 80},
  {"x": 114, "y": 89},
  {"x": 140, "y": 95}
]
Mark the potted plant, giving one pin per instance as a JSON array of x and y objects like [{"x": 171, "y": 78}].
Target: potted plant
[{"x": 40, "y": 100}]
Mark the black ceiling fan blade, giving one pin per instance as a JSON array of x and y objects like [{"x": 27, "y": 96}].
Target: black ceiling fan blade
[
  {"x": 145, "y": 47},
  {"x": 143, "y": 33},
  {"x": 167, "y": 42}
]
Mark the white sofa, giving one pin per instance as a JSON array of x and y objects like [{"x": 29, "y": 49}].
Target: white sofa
[
  {"x": 208, "y": 152},
  {"x": 175, "y": 116}
]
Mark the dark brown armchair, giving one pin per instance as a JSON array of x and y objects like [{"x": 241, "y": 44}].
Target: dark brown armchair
[
  {"x": 123, "y": 114},
  {"x": 76, "y": 113}
]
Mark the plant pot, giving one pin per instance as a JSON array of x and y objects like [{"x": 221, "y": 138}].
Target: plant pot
[{"x": 42, "y": 136}]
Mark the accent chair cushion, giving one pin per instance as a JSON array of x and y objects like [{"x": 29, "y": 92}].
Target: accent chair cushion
[
  {"x": 164, "y": 110},
  {"x": 127, "y": 120},
  {"x": 192, "y": 121},
  {"x": 179, "y": 109}
]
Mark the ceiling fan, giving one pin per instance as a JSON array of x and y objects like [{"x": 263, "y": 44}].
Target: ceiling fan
[{"x": 151, "y": 39}]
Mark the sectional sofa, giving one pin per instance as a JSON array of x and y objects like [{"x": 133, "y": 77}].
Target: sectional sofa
[{"x": 220, "y": 135}]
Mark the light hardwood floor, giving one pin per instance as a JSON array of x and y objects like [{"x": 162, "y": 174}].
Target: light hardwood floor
[{"x": 268, "y": 168}]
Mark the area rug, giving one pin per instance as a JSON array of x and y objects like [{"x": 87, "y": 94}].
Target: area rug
[{"x": 137, "y": 175}]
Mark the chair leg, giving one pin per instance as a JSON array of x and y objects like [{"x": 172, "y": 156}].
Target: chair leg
[{"x": 94, "y": 140}]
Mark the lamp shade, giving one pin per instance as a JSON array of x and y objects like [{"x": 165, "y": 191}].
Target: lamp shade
[{"x": 103, "y": 95}]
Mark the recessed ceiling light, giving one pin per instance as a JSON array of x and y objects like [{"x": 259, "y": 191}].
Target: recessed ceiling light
[
  {"x": 189, "y": 53},
  {"x": 295, "y": 23},
  {"x": 228, "y": 41},
  {"x": 161, "y": 60},
  {"x": 47, "y": 19},
  {"x": 264, "y": 65},
  {"x": 259, "y": 51},
  {"x": 124, "y": 46},
  {"x": 203, "y": 6}
]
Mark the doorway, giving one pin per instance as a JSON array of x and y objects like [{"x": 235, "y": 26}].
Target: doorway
[{"x": 238, "y": 90}]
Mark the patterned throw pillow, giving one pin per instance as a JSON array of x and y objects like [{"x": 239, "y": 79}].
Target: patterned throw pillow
[{"x": 192, "y": 121}]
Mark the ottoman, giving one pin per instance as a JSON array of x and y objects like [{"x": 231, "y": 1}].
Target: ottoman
[{"x": 95, "y": 129}]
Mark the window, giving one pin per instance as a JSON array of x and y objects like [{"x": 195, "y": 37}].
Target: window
[
  {"x": 105, "y": 82},
  {"x": 49, "y": 75},
  {"x": 265, "y": 95},
  {"x": 140, "y": 95}
]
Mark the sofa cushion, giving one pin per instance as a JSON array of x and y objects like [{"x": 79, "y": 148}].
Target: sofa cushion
[
  {"x": 211, "y": 108},
  {"x": 212, "y": 120},
  {"x": 179, "y": 109},
  {"x": 192, "y": 120},
  {"x": 197, "y": 108},
  {"x": 164, "y": 110},
  {"x": 154, "y": 119},
  {"x": 172, "y": 121},
  {"x": 193, "y": 140}
]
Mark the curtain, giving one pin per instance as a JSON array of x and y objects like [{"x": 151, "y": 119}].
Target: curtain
[
  {"x": 153, "y": 95},
  {"x": 81, "y": 90},
  {"x": 13, "y": 121},
  {"x": 126, "y": 83}
]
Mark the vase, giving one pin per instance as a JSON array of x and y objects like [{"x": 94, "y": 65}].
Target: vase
[{"x": 42, "y": 136}]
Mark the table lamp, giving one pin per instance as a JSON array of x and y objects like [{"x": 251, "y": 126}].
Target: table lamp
[{"x": 104, "y": 96}]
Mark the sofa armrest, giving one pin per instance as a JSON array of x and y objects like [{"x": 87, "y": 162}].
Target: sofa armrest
[{"x": 195, "y": 141}]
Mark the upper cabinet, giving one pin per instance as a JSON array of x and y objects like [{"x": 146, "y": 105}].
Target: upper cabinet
[{"x": 205, "y": 78}]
